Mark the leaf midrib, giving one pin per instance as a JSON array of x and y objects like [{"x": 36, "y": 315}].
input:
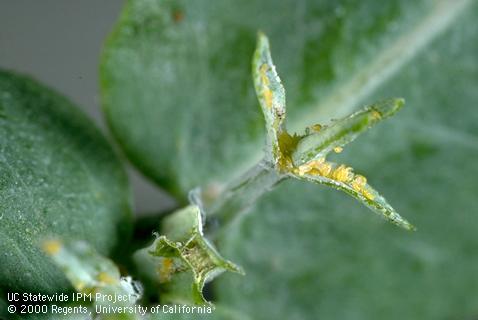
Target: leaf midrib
[{"x": 386, "y": 63}]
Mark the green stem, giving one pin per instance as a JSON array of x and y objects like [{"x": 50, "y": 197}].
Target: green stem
[{"x": 241, "y": 193}]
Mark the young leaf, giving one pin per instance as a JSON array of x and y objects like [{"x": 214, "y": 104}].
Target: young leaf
[
  {"x": 89, "y": 271},
  {"x": 304, "y": 157},
  {"x": 309, "y": 158},
  {"x": 342, "y": 178},
  {"x": 184, "y": 260},
  {"x": 323, "y": 139},
  {"x": 271, "y": 96}
]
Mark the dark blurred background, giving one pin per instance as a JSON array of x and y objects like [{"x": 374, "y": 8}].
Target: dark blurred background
[{"x": 58, "y": 42}]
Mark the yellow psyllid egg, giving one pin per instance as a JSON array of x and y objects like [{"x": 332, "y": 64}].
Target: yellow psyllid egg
[
  {"x": 342, "y": 173},
  {"x": 264, "y": 79},
  {"x": 359, "y": 184},
  {"x": 317, "y": 127},
  {"x": 105, "y": 278},
  {"x": 52, "y": 247},
  {"x": 165, "y": 269},
  {"x": 268, "y": 97}
]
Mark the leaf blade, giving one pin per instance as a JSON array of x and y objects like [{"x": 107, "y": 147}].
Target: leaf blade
[
  {"x": 181, "y": 260},
  {"x": 271, "y": 95},
  {"x": 59, "y": 174},
  {"x": 357, "y": 187},
  {"x": 321, "y": 142}
]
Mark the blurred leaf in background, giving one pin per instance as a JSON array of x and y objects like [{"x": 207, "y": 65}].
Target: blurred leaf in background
[
  {"x": 178, "y": 95},
  {"x": 58, "y": 178}
]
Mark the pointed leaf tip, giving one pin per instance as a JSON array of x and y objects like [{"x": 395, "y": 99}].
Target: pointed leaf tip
[
  {"x": 321, "y": 140},
  {"x": 389, "y": 107},
  {"x": 271, "y": 95},
  {"x": 343, "y": 178},
  {"x": 262, "y": 39}
]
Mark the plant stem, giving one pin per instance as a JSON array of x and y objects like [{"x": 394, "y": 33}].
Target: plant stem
[{"x": 241, "y": 193}]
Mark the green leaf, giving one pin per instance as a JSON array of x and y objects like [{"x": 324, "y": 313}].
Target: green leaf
[
  {"x": 343, "y": 178},
  {"x": 182, "y": 260},
  {"x": 311, "y": 165},
  {"x": 90, "y": 272},
  {"x": 59, "y": 178},
  {"x": 174, "y": 84},
  {"x": 304, "y": 157},
  {"x": 271, "y": 96},
  {"x": 323, "y": 139},
  {"x": 3, "y": 308},
  {"x": 312, "y": 253},
  {"x": 340, "y": 264}
]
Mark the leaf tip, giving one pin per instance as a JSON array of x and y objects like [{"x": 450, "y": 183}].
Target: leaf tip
[
  {"x": 403, "y": 223},
  {"x": 389, "y": 107},
  {"x": 410, "y": 227},
  {"x": 398, "y": 104},
  {"x": 235, "y": 268},
  {"x": 262, "y": 38},
  {"x": 400, "y": 101}
]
